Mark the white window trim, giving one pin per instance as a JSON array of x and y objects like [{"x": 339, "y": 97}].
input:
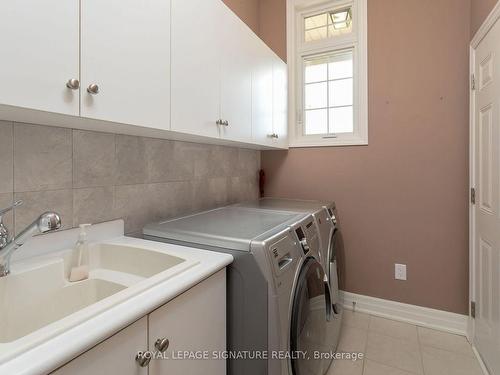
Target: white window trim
[{"x": 296, "y": 9}]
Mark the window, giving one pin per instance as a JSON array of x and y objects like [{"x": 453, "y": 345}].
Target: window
[
  {"x": 328, "y": 85},
  {"x": 327, "y": 25},
  {"x": 328, "y": 93}
]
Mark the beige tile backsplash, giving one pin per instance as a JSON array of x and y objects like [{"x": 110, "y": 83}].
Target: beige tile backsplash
[
  {"x": 93, "y": 159},
  {"x": 6, "y": 157},
  {"x": 42, "y": 158},
  {"x": 94, "y": 177}
]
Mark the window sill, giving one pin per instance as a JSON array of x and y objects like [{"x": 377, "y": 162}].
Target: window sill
[{"x": 329, "y": 142}]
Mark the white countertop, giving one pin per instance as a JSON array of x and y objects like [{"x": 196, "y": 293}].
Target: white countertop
[{"x": 60, "y": 347}]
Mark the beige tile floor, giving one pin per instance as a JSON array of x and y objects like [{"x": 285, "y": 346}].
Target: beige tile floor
[{"x": 395, "y": 348}]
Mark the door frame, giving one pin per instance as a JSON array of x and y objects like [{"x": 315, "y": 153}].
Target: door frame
[{"x": 490, "y": 21}]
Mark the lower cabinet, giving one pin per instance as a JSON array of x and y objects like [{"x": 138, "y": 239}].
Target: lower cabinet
[
  {"x": 115, "y": 355},
  {"x": 195, "y": 324},
  {"x": 185, "y": 336}
]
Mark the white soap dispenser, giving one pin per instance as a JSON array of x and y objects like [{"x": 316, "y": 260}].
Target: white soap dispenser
[{"x": 80, "y": 272}]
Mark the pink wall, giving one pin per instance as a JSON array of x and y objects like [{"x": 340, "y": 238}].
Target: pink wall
[
  {"x": 403, "y": 198},
  {"x": 272, "y": 25},
  {"x": 247, "y": 10},
  {"x": 267, "y": 18},
  {"x": 479, "y": 11}
]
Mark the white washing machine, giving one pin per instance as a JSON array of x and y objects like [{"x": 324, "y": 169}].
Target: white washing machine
[
  {"x": 277, "y": 295},
  {"x": 330, "y": 251}
]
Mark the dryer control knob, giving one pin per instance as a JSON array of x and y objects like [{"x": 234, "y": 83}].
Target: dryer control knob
[
  {"x": 334, "y": 219},
  {"x": 305, "y": 245}
]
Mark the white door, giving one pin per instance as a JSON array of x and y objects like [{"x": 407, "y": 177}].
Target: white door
[
  {"x": 280, "y": 103},
  {"x": 115, "y": 355},
  {"x": 262, "y": 94},
  {"x": 126, "y": 53},
  {"x": 39, "y": 45},
  {"x": 487, "y": 207},
  {"x": 236, "y": 78},
  {"x": 193, "y": 322},
  {"x": 196, "y": 57}
]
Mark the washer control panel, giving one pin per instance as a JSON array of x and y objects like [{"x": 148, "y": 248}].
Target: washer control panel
[
  {"x": 282, "y": 254},
  {"x": 308, "y": 237},
  {"x": 302, "y": 240},
  {"x": 332, "y": 215}
]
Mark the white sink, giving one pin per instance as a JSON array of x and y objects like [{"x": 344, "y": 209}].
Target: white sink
[
  {"x": 45, "y": 320},
  {"x": 130, "y": 260},
  {"x": 37, "y": 296},
  {"x": 31, "y": 311}
]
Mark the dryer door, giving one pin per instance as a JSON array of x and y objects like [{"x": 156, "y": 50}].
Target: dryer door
[
  {"x": 310, "y": 311},
  {"x": 333, "y": 265},
  {"x": 336, "y": 265}
]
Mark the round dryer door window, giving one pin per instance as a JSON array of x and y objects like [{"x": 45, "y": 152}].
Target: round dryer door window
[{"x": 309, "y": 318}]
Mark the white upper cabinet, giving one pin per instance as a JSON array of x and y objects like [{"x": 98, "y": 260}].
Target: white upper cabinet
[
  {"x": 39, "y": 46},
  {"x": 279, "y": 136},
  {"x": 125, "y": 52},
  {"x": 196, "y": 59},
  {"x": 225, "y": 81},
  {"x": 269, "y": 98},
  {"x": 182, "y": 69},
  {"x": 236, "y": 79},
  {"x": 262, "y": 93}
]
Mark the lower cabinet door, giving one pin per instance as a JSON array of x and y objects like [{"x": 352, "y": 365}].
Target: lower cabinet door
[
  {"x": 194, "y": 324},
  {"x": 115, "y": 355}
]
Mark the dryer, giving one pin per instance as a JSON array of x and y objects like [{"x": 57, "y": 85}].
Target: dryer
[
  {"x": 277, "y": 297},
  {"x": 326, "y": 220},
  {"x": 330, "y": 251}
]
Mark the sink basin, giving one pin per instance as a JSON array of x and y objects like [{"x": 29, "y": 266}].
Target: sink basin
[
  {"x": 34, "y": 297},
  {"x": 31, "y": 311},
  {"x": 130, "y": 260}
]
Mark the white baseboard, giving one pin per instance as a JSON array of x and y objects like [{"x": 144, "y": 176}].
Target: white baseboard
[
  {"x": 421, "y": 316},
  {"x": 480, "y": 360}
]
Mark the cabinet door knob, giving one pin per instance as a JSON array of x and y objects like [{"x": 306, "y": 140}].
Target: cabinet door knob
[
  {"x": 222, "y": 122},
  {"x": 73, "y": 84},
  {"x": 93, "y": 89},
  {"x": 143, "y": 359},
  {"x": 162, "y": 344}
]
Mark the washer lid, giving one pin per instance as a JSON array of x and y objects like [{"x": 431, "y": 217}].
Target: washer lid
[
  {"x": 288, "y": 204},
  {"x": 227, "y": 227}
]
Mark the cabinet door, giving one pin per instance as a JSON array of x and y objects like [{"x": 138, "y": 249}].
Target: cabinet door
[
  {"x": 236, "y": 78},
  {"x": 280, "y": 103},
  {"x": 126, "y": 53},
  {"x": 116, "y": 355},
  {"x": 262, "y": 94},
  {"x": 196, "y": 46},
  {"x": 39, "y": 44},
  {"x": 195, "y": 322}
]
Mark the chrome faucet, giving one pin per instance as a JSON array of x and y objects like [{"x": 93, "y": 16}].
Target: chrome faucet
[{"x": 46, "y": 222}]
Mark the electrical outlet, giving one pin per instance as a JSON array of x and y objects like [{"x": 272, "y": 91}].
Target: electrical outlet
[{"x": 400, "y": 271}]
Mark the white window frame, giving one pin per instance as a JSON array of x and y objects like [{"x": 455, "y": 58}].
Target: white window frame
[{"x": 297, "y": 50}]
